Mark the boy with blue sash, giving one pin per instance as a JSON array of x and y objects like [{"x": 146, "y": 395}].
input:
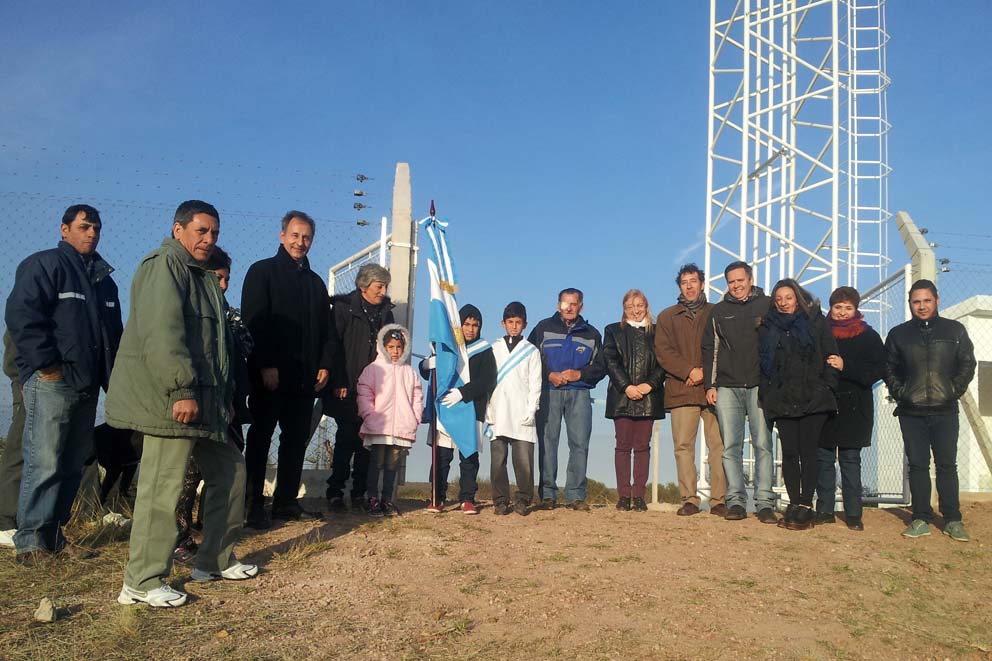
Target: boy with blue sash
[
  {"x": 511, "y": 416},
  {"x": 482, "y": 380}
]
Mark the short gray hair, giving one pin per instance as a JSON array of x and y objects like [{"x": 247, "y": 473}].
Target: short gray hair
[{"x": 371, "y": 273}]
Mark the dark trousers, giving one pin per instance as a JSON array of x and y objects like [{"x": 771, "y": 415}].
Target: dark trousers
[
  {"x": 383, "y": 460},
  {"x": 347, "y": 446},
  {"x": 633, "y": 436},
  {"x": 292, "y": 414},
  {"x": 800, "y": 440},
  {"x": 12, "y": 462},
  {"x": 920, "y": 436},
  {"x": 468, "y": 480},
  {"x": 850, "y": 480},
  {"x": 523, "y": 469}
]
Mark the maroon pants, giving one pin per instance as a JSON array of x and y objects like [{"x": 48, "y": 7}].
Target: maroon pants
[{"x": 633, "y": 435}]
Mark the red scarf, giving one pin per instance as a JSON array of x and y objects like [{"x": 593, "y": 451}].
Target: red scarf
[{"x": 848, "y": 328}]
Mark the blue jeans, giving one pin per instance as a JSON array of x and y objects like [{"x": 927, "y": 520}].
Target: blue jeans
[
  {"x": 575, "y": 406},
  {"x": 58, "y": 437},
  {"x": 733, "y": 405},
  {"x": 850, "y": 480}
]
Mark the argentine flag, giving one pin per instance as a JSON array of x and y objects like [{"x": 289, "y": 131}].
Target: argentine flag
[{"x": 456, "y": 421}]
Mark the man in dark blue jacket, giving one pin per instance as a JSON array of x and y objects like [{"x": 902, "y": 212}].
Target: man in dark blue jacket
[
  {"x": 64, "y": 317},
  {"x": 570, "y": 352}
]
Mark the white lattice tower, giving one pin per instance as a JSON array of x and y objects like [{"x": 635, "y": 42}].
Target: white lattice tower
[{"x": 797, "y": 151}]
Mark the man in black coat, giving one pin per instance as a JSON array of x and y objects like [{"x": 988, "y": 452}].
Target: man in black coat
[
  {"x": 64, "y": 317},
  {"x": 357, "y": 319},
  {"x": 287, "y": 310},
  {"x": 929, "y": 362}
]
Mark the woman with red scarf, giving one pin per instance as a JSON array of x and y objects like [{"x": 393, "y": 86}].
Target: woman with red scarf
[{"x": 844, "y": 434}]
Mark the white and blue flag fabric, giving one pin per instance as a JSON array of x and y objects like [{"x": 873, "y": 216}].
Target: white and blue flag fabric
[{"x": 457, "y": 421}]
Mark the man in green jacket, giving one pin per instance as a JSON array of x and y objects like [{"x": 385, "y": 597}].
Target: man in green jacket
[{"x": 173, "y": 382}]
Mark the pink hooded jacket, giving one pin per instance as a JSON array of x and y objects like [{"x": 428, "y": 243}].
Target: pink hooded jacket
[{"x": 390, "y": 400}]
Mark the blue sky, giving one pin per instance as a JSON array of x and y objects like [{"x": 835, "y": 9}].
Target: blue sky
[{"x": 565, "y": 141}]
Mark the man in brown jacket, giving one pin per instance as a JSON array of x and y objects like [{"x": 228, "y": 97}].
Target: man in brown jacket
[{"x": 677, "y": 343}]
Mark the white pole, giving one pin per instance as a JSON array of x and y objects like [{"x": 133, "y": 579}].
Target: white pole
[
  {"x": 655, "y": 505},
  {"x": 382, "y": 243}
]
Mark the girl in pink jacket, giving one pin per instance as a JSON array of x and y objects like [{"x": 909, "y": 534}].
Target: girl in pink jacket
[{"x": 390, "y": 402}]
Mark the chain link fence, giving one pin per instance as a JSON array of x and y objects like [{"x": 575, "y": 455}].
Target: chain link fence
[{"x": 134, "y": 227}]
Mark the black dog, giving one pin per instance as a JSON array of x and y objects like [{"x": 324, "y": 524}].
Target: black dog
[{"x": 119, "y": 452}]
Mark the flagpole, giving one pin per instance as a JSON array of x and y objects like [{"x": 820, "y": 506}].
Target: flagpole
[{"x": 432, "y": 429}]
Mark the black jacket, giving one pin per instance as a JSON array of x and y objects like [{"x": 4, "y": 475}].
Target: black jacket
[
  {"x": 864, "y": 365},
  {"x": 481, "y": 381},
  {"x": 356, "y": 325},
  {"x": 287, "y": 311},
  {"x": 730, "y": 342},
  {"x": 60, "y": 313},
  {"x": 802, "y": 383},
  {"x": 630, "y": 359},
  {"x": 928, "y": 365}
]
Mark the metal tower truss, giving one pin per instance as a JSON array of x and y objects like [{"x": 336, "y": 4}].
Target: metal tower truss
[{"x": 797, "y": 167}]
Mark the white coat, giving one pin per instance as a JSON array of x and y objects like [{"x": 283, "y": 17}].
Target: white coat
[{"x": 513, "y": 405}]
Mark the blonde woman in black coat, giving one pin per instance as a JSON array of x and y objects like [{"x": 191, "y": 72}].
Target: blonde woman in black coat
[
  {"x": 845, "y": 434},
  {"x": 797, "y": 355}
]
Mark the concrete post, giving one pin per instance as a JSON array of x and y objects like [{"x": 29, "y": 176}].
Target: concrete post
[
  {"x": 920, "y": 253},
  {"x": 401, "y": 251}
]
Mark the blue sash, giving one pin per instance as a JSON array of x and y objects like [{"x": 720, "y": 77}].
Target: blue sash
[{"x": 514, "y": 360}]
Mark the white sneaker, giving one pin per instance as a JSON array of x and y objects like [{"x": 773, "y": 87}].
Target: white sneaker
[
  {"x": 7, "y": 538},
  {"x": 162, "y": 597},
  {"x": 239, "y": 571}
]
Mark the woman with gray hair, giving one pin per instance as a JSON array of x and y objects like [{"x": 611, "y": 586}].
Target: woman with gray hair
[{"x": 358, "y": 318}]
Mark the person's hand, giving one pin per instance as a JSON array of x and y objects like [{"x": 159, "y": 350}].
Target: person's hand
[
  {"x": 340, "y": 393},
  {"x": 633, "y": 393},
  {"x": 51, "y": 373},
  {"x": 572, "y": 375},
  {"x": 185, "y": 411},
  {"x": 836, "y": 362},
  {"x": 711, "y": 396},
  {"x": 556, "y": 379},
  {"x": 270, "y": 378},
  {"x": 644, "y": 388},
  {"x": 322, "y": 376},
  {"x": 451, "y": 397},
  {"x": 695, "y": 376},
  {"x": 528, "y": 421}
]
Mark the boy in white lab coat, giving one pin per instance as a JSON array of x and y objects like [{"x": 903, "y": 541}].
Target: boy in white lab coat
[{"x": 512, "y": 410}]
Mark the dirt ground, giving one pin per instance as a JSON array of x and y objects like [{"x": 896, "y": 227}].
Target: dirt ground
[{"x": 562, "y": 584}]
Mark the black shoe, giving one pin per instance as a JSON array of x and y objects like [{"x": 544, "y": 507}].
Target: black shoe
[
  {"x": 855, "y": 524},
  {"x": 336, "y": 505},
  {"x": 521, "y": 508},
  {"x": 258, "y": 518},
  {"x": 767, "y": 515},
  {"x": 389, "y": 508},
  {"x": 623, "y": 504},
  {"x": 547, "y": 504},
  {"x": 803, "y": 518},
  {"x": 185, "y": 550},
  {"x": 501, "y": 509},
  {"x": 359, "y": 504},
  {"x": 36, "y": 558},
  {"x": 736, "y": 513},
  {"x": 825, "y": 517},
  {"x": 578, "y": 506},
  {"x": 639, "y": 505},
  {"x": 688, "y": 509},
  {"x": 375, "y": 508}
]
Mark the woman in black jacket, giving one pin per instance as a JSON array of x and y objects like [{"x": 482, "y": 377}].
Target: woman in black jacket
[
  {"x": 636, "y": 396},
  {"x": 798, "y": 374},
  {"x": 862, "y": 365}
]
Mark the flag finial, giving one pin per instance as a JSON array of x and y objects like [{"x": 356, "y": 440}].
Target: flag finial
[{"x": 432, "y": 208}]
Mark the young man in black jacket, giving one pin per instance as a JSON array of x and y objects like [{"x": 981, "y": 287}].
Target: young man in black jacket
[
  {"x": 358, "y": 317},
  {"x": 64, "y": 317},
  {"x": 287, "y": 311},
  {"x": 930, "y": 361},
  {"x": 731, "y": 376}
]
